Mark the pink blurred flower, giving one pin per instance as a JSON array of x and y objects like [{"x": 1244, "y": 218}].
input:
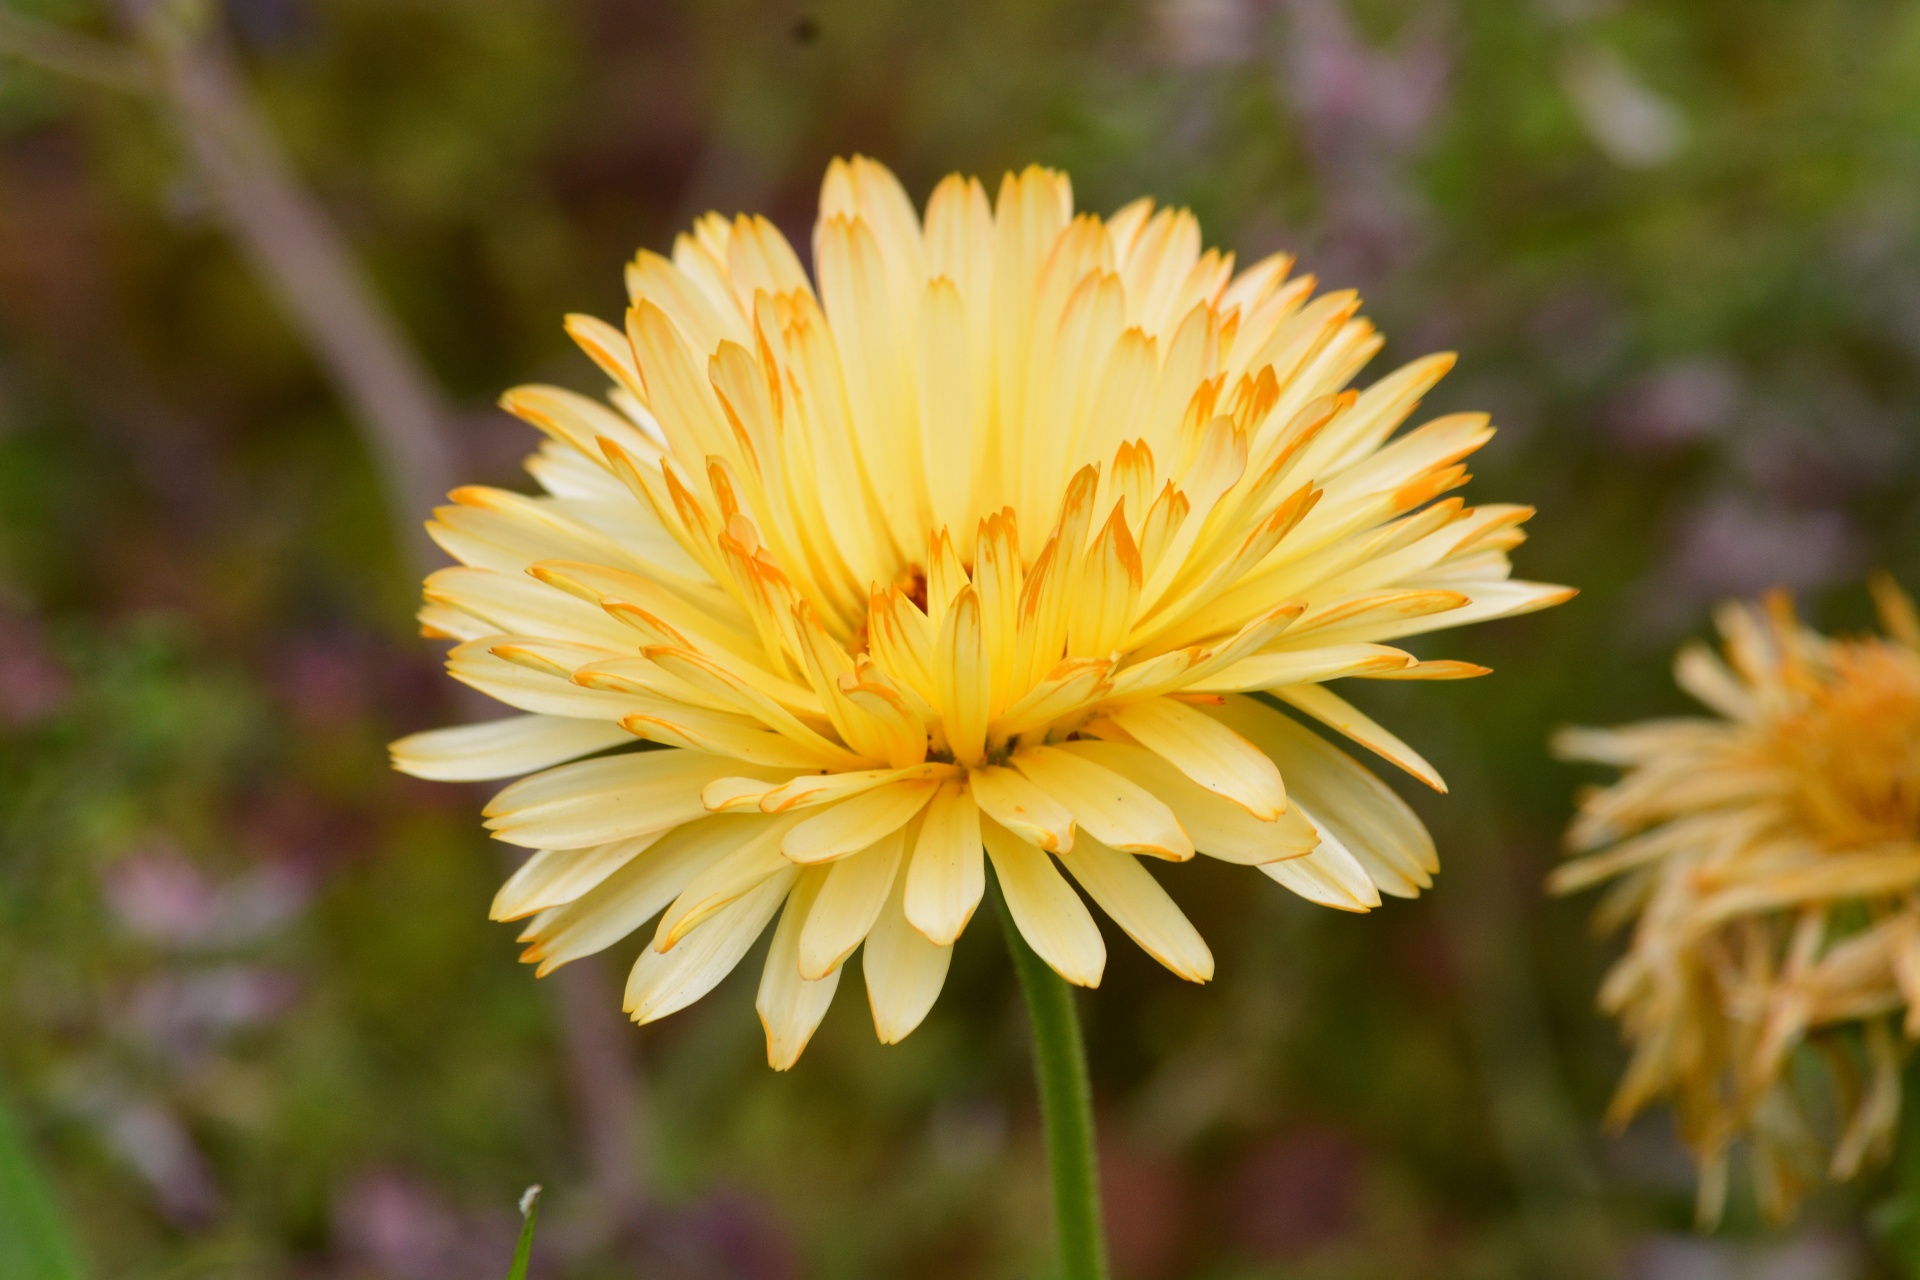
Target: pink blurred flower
[
  {"x": 399, "y": 1226},
  {"x": 160, "y": 896}
]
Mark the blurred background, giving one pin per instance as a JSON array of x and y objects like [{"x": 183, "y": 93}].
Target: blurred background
[{"x": 265, "y": 264}]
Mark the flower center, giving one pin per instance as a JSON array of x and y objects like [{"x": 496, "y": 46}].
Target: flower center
[{"x": 1854, "y": 749}]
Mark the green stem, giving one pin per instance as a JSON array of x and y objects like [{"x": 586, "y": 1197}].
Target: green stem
[
  {"x": 1066, "y": 1108},
  {"x": 1905, "y": 1234}
]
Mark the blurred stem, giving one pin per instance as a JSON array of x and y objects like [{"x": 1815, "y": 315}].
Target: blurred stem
[
  {"x": 609, "y": 1092},
  {"x": 305, "y": 262},
  {"x": 1066, "y": 1107}
]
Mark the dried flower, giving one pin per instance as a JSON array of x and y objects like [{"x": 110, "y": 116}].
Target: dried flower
[{"x": 1769, "y": 860}]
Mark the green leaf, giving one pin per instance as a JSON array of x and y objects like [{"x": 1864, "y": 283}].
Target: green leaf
[
  {"x": 35, "y": 1242},
  {"x": 529, "y": 1209}
]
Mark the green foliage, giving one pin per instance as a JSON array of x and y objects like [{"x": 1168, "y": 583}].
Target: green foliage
[
  {"x": 523, "y": 1252},
  {"x": 35, "y": 1241}
]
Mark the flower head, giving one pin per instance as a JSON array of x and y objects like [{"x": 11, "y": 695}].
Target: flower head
[
  {"x": 977, "y": 540},
  {"x": 1770, "y": 861}
]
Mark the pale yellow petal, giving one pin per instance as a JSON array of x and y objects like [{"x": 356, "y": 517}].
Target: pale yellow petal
[
  {"x": 1012, "y": 800},
  {"x": 517, "y": 672},
  {"x": 596, "y": 801},
  {"x": 1304, "y": 666},
  {"x": 634, "y": 894},
  {"x": 1336, "y": 712},
  {"x": 962, "y": 678},
  {"x": 1127, "y": 891},
  {"x": 1109, "y": 806},
  {"x": 904, "y": 970},
  {"x": 723, "y": 881},
  {"x": 946, "y": 876},
  {"x": 853, "y": 825},
  {"x": 574, "y": 420},
  {"x": 1208, "y": 752},
  {"x": 502, "y": 748},
  {"x": 517, "y": 605},
  {"x": 735, "y": 794},
  {"x": 813, "y": 790},
  {"x": 1329, "y": 876},
  {"x": 555, "y": 877},
  {"x": 1366, "y": 815},
  {"x": 790, "y": 1004},
  {"x": 1219, "y": 828},
  {"x": 664, "y": 982},
  {"x": 719, "y": 734},
  {"x": 1049, "y": 915},
  {"x": 848, "y": 903}
]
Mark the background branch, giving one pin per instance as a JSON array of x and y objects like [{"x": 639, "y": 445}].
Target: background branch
[{"x": 304, "y": 260}]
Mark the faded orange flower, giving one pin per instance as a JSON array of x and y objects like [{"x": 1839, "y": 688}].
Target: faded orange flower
[{"x": 1769, "y": 862}]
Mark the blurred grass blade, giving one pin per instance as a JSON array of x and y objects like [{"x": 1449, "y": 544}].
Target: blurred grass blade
[
  {"x": 35, "y": 1243},
  {"x": 529, "y": 1210}
]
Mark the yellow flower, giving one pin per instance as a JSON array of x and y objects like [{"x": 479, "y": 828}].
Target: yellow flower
[
  {"x": 1770, "y": 859},
  {"x": 977, "y": 542}
]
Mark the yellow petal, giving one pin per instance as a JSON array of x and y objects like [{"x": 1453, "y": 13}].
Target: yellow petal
[
  {"x": 1049, "y": 915},
  {"x": 1305, "y": 666},
  {"x": 1363, "y": 812},
  {"x": 608, "y": 348},
  {"x": 898, "y": 726},
  {"x": 1329, "y": 876},
  {"x": 1012, "y": 800},
  {"x": 1109, "y": 590},
  {"x": 644, "y": 681},
  {"x": 723, "y": 881},
  {"x": 634, "y": 894},
  {"x": 853, "y": 825},
  {"x": 1331, "y": 709},
  {"x": 997, "y": 581},
  {"x": 682, "y": 400},
  {"x": 1108, "y": 805},
  {"x": 705, "y": 319},
  {"x": 597, "y": 801},
  {"x": 904, "y": 971},
  {"x": 790, "y": 1004},
  {"x": 502, "y": 748},
  {"x": 717, "y": 734},
  {"x": 947, "y": 404},
  {"x": 517, "y": 605},
  {"x": 848, "y": 904},
  {"x": 735, "y": 795},
  {"x": 1128, "y": 892},
  {"x": 962, "y": 679},
  {"x": 555, "y": 877},
  {"x": 1431, "y": 669},
  {"x": 666, "y": 982},
  {"x": 1075, "y": 683},
  {"x": 716, "y": 679},
  {"x": 1208, "y": 752},
  {"x": 871, "y": 326},
  {"x": 944, "y": 881},
  {"x": 577, "y": 421},
  {"x": 814, "y": 790},
  {"x": 1219, "y": 828}
]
